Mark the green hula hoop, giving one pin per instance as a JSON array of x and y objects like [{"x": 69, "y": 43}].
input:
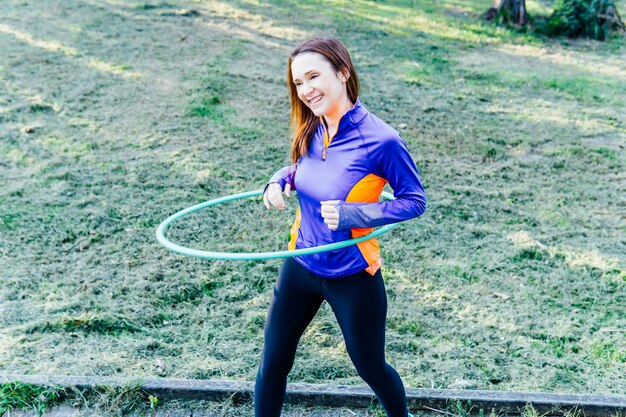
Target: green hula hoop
[{"x": 176, "y": 248}]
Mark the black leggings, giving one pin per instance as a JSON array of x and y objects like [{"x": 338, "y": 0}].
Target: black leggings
[{"x": 359, "y": 302}]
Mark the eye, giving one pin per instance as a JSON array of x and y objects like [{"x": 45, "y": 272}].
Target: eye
[{"x": 313, "y": 76}]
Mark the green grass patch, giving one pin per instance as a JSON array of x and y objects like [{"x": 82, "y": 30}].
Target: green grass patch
[
  {"x": 15, "y": 396},
  {"x": 608, "y": 352},
  {"x": 89, "y": 323}
]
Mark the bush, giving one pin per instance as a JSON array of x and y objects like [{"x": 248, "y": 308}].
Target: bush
[{"x": 588, "y": 18}]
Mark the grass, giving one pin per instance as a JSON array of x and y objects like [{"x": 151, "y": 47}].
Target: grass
[
  {"x": 103, "y": 401},
  {"x": 116, "y": 401},
  {"x": 514, "y": 279},
  {"x": 19, "y": 396}
]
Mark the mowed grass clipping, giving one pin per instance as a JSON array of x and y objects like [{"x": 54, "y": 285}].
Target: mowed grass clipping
[{"x": 114, "y": 115}]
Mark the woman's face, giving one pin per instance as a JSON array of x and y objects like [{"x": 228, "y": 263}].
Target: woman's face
[{"x": 319, "y": 86}]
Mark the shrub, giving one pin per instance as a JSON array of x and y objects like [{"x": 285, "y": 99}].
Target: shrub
[{"x": 587, "y": 18}]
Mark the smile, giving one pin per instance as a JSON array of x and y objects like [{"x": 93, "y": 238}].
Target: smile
[{"x": 316, "y": 99}]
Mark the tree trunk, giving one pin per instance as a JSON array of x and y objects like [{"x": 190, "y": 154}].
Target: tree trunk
[
  {"x": 511, "y": 11},
  {"x": 612, "y": 18}
]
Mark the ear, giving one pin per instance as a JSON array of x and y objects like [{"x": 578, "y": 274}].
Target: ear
[{"x": 344, "y": 75}]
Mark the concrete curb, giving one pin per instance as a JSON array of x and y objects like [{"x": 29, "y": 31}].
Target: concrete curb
[{"x": 343, "y": 396}]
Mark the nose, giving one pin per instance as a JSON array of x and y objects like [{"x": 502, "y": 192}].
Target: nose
[{"x": 306, "y": 89}]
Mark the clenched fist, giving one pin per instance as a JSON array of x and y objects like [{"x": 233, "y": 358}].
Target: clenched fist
[{"x": 330, "y": 213}]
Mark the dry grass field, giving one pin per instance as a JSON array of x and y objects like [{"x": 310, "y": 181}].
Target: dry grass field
[{"x": 115, "y": 114}]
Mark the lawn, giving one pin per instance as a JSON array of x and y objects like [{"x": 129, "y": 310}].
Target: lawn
[{"x": 115, "y": 114}]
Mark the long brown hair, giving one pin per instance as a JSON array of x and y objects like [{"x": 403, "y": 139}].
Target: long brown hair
[{"x": 304, "y": 123}]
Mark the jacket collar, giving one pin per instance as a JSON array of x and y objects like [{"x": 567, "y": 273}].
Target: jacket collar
[
  {"x": 357, "y": 113},
  {"x": 350, "y": 119}
]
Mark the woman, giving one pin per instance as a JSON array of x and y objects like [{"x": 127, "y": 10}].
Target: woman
[{"x": 343, "y": 155}]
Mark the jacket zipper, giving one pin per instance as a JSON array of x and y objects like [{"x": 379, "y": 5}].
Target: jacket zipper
[{"x": 326, "y": 141}]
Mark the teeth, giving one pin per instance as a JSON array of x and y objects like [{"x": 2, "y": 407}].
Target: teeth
[{"x": 316, "y": 99}]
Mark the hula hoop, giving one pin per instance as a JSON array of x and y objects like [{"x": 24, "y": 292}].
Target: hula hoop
[{"x": 196, "y": 253}]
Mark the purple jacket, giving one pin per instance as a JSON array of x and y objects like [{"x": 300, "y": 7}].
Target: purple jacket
[{"x": 364, "y": 154}]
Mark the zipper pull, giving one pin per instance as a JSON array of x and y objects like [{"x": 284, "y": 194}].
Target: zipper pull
[{"x": 324, "y": 154}]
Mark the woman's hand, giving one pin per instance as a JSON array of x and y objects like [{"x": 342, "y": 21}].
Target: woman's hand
[
  {"x": 330, "y": 213},
  {"x": 273, "y": 194}
]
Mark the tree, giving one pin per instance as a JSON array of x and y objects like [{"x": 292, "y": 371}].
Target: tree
[{"x": 509, "y": 11}]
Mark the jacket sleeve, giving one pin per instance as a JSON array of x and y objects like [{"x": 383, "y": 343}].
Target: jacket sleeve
[
  {"x": 283, "y": 177},
  {"x": 392, "y": 161}
]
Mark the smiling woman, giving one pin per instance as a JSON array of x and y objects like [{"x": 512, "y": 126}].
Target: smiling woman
[{"x": 343, "y": 156}]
